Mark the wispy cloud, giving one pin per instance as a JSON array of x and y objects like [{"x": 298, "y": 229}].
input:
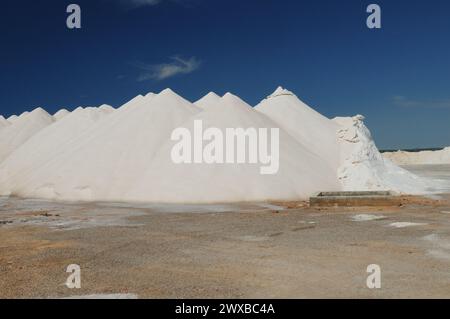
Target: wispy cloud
[
  {"x": 164, "y": 71},
  {"x": 405, "y": 102}
]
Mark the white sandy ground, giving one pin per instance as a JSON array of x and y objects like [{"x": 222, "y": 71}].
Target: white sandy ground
[{"x": 124, "y": 154}]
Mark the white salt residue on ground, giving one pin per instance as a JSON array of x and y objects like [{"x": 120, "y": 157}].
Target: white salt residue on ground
[
  {"x": 64, "y": 216},
  {"x": 406, "y": 224},
  {"x": 125, "y": 156},
  {"x": 419, "y": 158},
  {"x": 366, "y": 217},
  {"x": 440, "y": 246}
]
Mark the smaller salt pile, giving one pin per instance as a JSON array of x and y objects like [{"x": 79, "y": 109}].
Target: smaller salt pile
[
  {"x": 364, "y": 168},
  {"x": 420, "y": 158}
]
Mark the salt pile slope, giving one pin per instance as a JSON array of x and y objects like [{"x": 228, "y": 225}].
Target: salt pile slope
[
  {"x": 47, "y": 144},
  {"x": 420, "y": 158},
  {"x": 301, "y": 172},
  {"x": 309, "y": 127},
  {"x": 21, "y": 129},
  {"x": 364, "y": 168},
  {"x": 105, "y": 160}
]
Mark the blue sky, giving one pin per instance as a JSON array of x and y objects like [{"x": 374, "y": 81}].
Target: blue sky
[{"x": 398, "y": 77}]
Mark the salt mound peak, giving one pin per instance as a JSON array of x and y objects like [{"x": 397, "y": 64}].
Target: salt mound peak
[
  {"x": 231, "y": 103},
  {"x": 24, "y": 114},
  {"x": 12, "y": 118},
  {"x": 168, "y": 93},
  {"x": 209, "y": 99},
  {"x": 106, "y": 108},
  {"x": 168, "y": 98},
  {"x": 233, "y": 100},
  {"x": 60, "y": 114},
  {"x": 280, "y": 91},
  {"x": 93, "y": 113},
  {"x": 39, "y": 111}
]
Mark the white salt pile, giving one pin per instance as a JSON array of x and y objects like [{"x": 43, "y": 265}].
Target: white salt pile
[
  {"x": 234, "y": 182},
  {"x": 345, "y": 143},
  {"x": 47, "y": 143},
  {"x": 363, "y": 167},
  {"x": 125, "y": 154},
  {"x": 104, "y": 161},
  {"x": 308, "y": 127},
  {"x": 419, "y": 158}
]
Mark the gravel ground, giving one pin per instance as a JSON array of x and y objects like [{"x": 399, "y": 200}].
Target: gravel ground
[{"x": 223, "y": 251}]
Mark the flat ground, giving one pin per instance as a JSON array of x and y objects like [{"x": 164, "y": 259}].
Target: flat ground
[{"x": 285, "y": 250}]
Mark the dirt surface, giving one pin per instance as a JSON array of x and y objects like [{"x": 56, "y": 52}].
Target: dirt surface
[{"x": 278, "y": 250}]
